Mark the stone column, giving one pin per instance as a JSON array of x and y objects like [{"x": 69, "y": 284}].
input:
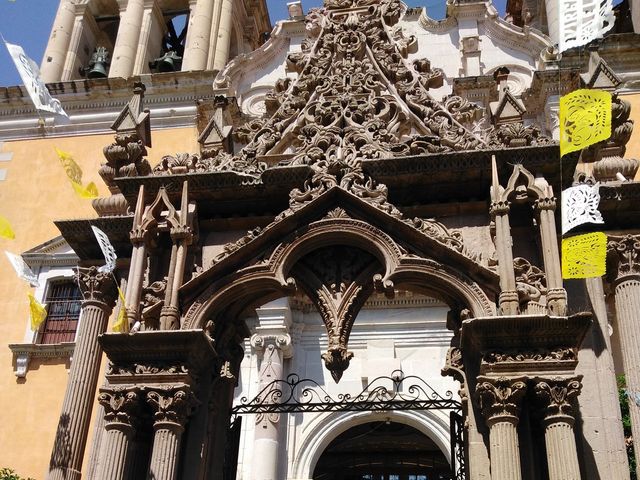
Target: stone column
[
  {"x": 508, "y": 299},
  {"x": 171, "y": 407},
  {"x": 196, "y": 48},
  {"x": 120, "y": 406},
  {"x": 84, "y": 21},
  {"x": 556, "y": 294},
  {"x": 55, "y": 54},
  {"x": 71, "y": 436},
  {"x": 225, "y": 25},
  {"x": 500, "y": 401},
  {"x": 151, "y": 19},
  {"x": 266, "y": 434},
  {"x": 625, "y": 252},
  {"x": 126, "y": 47},
  {"x": 557, "y": 396}
]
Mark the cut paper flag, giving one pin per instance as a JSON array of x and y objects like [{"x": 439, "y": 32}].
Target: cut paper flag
[
  {"x": 74, "y": 173},
  {"x": 30, "y": 75},
  {"x": 580, "y": 206},
  {"x": 121, "y": 325},
  {"x": 581, "y": 21},
  {"x": 107, "y": 250},
  {"x": 5, "y": 229},
  {"x": 37, "y": 311},
  {"x": 88, "y": 192},
  {"x": 585, "y": 119},
  {"x": 584, "y": 256},
  {"x": 22, "y": 269}
]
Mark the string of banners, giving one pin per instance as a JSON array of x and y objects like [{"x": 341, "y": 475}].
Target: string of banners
[{"x": 585, "y": 119}]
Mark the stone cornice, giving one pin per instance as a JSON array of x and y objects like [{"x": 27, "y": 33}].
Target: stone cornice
[{"x": 24, "y": 352}]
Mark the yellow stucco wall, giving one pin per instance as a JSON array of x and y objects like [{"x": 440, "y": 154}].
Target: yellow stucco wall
[{"x": 34, "y": 193}]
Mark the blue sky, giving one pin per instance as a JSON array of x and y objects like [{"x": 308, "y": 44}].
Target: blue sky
[{"x": 28, "y": 23}]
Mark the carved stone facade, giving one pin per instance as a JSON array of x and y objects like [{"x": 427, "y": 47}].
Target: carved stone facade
[{"x": 374, "y": 199}]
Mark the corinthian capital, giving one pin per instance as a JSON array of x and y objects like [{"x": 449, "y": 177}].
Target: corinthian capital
[
  {"x": 171, "y": 405},
  {"x": 121, "y": 406},
  {"x": 625, "y": 251},
  {"x": 558, "y": 394},
  {"x": 500, "y": 398},
  {"x": 95, "y": 285}
]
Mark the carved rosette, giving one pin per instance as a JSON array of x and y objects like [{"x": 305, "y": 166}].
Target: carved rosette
[
  {"x": 171, "y": 406},
  {"x": 625, "y": 253},
  {"x": 500, "y": 398},
  {"x": 557, "y": 395},
  {"x": 96, "y": 286},
  {"x": 121, "y": 407}
]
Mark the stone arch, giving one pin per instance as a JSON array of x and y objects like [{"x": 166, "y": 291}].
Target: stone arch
[{"x": 324, "y": 428}]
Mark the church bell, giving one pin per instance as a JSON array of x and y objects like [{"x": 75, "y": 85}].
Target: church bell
[
  {"x": 98, "y": 65},
  {"x": 169, "y": 62}
]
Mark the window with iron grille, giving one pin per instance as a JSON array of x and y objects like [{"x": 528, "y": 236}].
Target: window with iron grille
[{"x": 63, "y": 311}]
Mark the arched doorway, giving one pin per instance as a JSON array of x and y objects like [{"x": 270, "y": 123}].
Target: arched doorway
[{"x": 382, "y": 450}]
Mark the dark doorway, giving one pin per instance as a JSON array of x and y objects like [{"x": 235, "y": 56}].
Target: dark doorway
[{"x": 382, "y": 451}]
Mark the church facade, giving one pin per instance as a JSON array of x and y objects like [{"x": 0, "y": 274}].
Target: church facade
[{"x": 338, "y": 247}]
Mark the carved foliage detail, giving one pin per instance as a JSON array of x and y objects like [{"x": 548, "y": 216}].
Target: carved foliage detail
[
  {"x": 500, "y": 398},
  {"x": 171, "y": 405},
  {"x": 95, "y": 285},
  {"x": 558, "y": 394},
  {"x": 121, "y": 406},
  {"x": 625, "y": 251}
]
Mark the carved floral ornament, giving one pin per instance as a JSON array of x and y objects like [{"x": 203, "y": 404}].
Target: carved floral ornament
[{"x": 625, "y": 252}]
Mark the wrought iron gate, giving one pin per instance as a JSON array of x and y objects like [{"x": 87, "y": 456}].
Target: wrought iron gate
[{"x": 397, "y": 392}]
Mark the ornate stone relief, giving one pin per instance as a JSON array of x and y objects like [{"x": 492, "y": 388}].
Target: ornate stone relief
[
  {"x": 558, "y": 394},
  {"x": 338, "y": 280},
  {"x": 500, "y": 398},
  {"x": 559, "y": 354},
  {"x": 625, "y": 252}
]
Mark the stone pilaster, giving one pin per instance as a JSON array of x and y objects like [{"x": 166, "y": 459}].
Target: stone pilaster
[
  {"x": 500, "y": 401},
  {"x": 120, "y": 407},
  {"x": 557, "y": 396},
  {"x": 171, "y": 406},
  {"x": 625, "y": 252},
  {"x": 71, "y": 436}
]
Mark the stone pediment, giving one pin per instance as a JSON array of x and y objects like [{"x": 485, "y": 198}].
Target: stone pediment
[
  {"x": 420, "y": 237},
  {"x": 52, "y": 252},
  {"x": 600, "y": 74}
]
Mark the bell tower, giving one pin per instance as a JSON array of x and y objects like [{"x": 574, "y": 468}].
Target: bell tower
[{"x": 123, "y": 38}]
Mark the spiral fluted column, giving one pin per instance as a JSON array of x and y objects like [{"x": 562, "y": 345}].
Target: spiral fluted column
[
  {"x": 71, "y": 436},
  {"x": 500, "y": 401}
]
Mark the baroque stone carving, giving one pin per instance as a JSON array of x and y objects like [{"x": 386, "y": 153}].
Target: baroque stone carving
[
  {"x": 558, "y": 354},
  {"x": 95, "y": 285},
  {"x": 531, "y": 283},
  {"x": 516, "y": 134},
  {"x": 338, "y": 280},
  {"x": 120, "y": 406},
  {"x": 125, "y": 157},
  {"x": 171, "y": 405},
  {"x": 625, "y": 252},
  {"x": 500, "y": 398},
  {"x": 146, "y": 368},
  {"x": 558, "y": 394}
]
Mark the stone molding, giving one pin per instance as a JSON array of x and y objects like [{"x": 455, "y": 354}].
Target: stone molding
[{"x": 24, "y": 352}]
